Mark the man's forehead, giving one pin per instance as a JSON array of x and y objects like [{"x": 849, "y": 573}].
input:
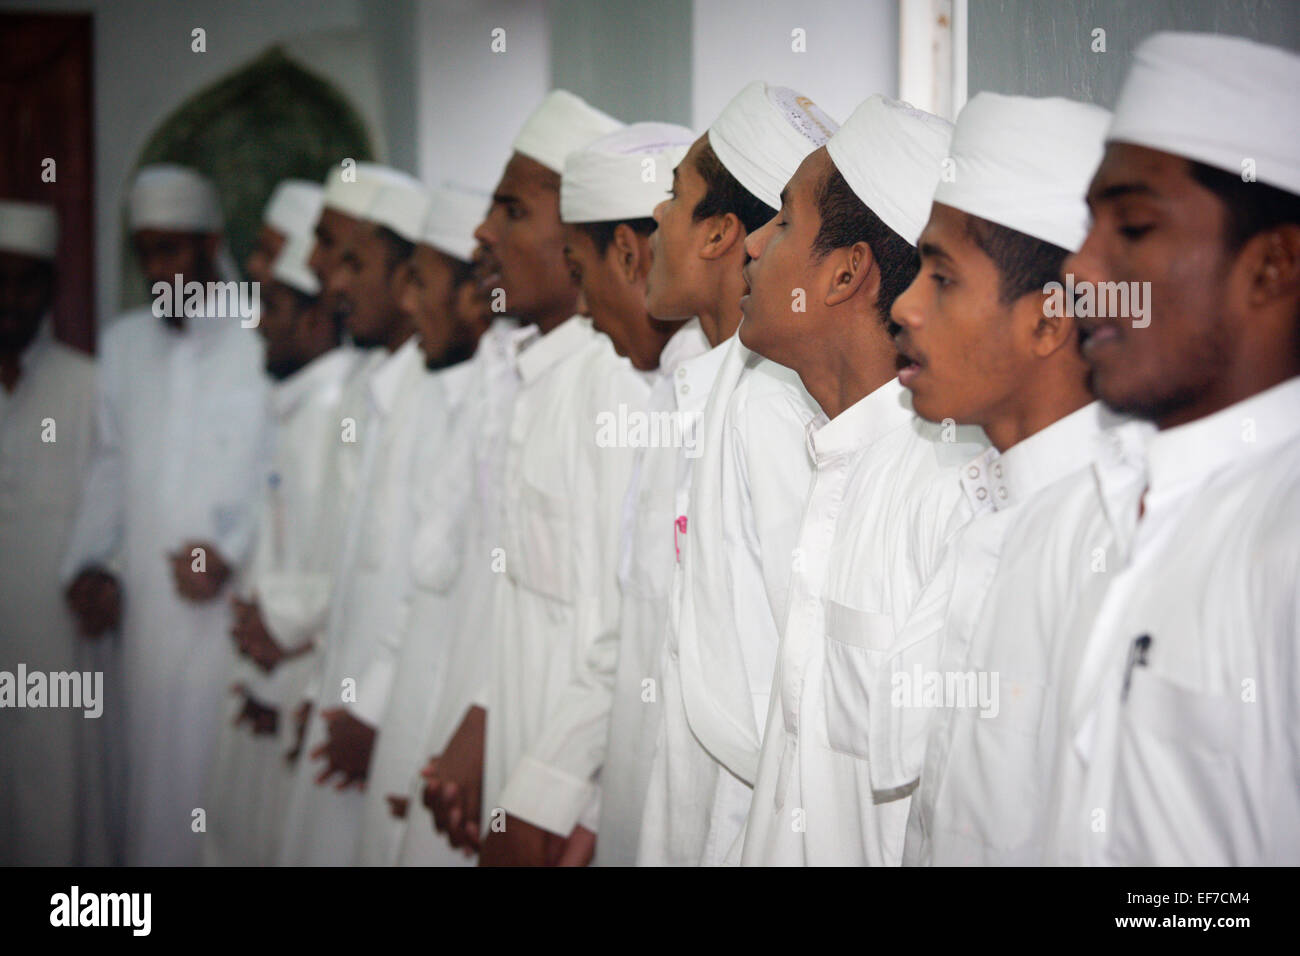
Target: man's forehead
[
  {"x": 1129, "y": 169},
  {"x": 814, "y": 168},
  {"x": 524, "y": 175},
  {"x": 946, "y": 231}
]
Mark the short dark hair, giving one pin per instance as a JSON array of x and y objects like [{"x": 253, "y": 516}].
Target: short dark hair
[
  {"x": 845, "y": 220},
  {"x": 1252, "y": 207},
  {"x": 601, "y": 234},
  {"x": 723, "y": 193},
  {"x": 1025, "y": 264},
  {"x": 398, "y": 249}
]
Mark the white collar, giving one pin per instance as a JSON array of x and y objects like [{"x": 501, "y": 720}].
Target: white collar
[
  {"x": 539, "y": 352},
  {"x": 695, "y": 376},
  {"x": 1027, "y": 467},
  {"x": 388, "y": 376},
  {"x": 1191, "y": 453},
  {"x": 326, "y": 368},
  {"x": 686, "y": 343},
  {"x": 862, "y": 424}
]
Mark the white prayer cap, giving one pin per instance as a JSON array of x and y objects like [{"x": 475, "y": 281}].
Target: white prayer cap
[
  {"x": 294, "y": 207},
  {"x": 1220, "y": 100},
  {"x": 401, "y": 204},
  {"x": 350, "y": 186},
  {"x": 290, "y": 266},
  {"x": 1025, "y": 163},
  {"x": 623, "y": 175},
  {"x": 174, "y": 198},
  {"x": 29, "y": 228},
  {"x": 763, "y": 135},
  {"x": 454, "y": 214},
  {"x": 562, "y": 123},
  {"x": 891, "y": 154}
]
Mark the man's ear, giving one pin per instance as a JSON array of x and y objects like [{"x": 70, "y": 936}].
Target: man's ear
[
  {"x": 1048, "y": 330},
  {"x": 629, "y": 253},
  {"x": 723, "y": 233},
  {"x": 853, "y": 269},
  {"x": 1274, "y": 264}
]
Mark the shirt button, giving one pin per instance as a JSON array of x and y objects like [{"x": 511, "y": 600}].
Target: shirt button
[
  {"x": 681, "y": 373},
  {"x": 973, "y": 471},
  {"x": 981, "y": 493},
  {"x": 1002, "y": 493},
  {"x": 997, "y": 470},
  {"x": 685, "y": 389}
]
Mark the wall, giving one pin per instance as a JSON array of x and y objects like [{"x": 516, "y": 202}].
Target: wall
[
  {"x": 144, "y": 69},
  {"x": 1043, "y": 47},
  {"x": 852, "y": 51},
  {"x": 630, "y": 58},
  {"x": 470, "y": 100}
]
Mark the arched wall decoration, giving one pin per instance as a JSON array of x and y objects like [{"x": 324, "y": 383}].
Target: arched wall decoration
[{"x": 270, "y": 120}]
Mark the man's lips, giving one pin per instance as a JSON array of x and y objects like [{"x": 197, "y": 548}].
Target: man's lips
[
  {"x": 909, "y": 365},
  {"x": 1096, "y": 336}
]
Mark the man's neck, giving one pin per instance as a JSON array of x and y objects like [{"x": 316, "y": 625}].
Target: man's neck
[
  {"x": 554, "y": 318},
  {"x": 398, "y": 338},
  {"x": 845, "y": 369},
  {"x": 720, "y": 316},
  {"x": 1036, "y": 406},
  {"x": 1235, "y": 388}
]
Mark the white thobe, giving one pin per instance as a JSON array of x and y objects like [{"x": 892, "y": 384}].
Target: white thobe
[
  {"x": 53, "y": 779},
  {"x": 482, "y": 430},
  {"x": 651, "y": 532},
  {"x": 1178, "y": 714},
  {"x": 746, "y": 497},
  {"x": 442, "y": 485},
  {"x": 878, "y": 516},
  {"x": 288, "y": 577},
  {"x": 180, "y": 431},
  {"x": 937, "y": 738},
  {"x": 322, "y": 823},
  {"x": 556, "y": 606}
]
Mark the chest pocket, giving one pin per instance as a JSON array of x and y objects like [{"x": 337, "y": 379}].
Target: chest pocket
[
  {"x": 995, "y": 777},
  {"x": 544, "y": 545},
  {"x": 1178, "y": 792},
  {"x": 857, "y": 643}
]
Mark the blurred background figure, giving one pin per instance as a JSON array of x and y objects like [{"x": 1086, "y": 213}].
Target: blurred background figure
[
  {"x": 283, "y": 593},
  {"x": 52, "y": 781},
  {"x": 167, "y": 511}
]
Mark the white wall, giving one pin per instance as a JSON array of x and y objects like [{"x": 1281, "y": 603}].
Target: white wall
[
  {"x": 144, "y": 69},
  {"x": 852, "y": 51},
  {"x": 471, "y": 101}
]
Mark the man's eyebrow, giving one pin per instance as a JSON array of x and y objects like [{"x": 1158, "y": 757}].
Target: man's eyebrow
[
  {"x": 785, "y": 196},
  {"x": 504, "y": 198},
  {"x": 1119, "y": 191},
  {"x": 932, "y": 250}
]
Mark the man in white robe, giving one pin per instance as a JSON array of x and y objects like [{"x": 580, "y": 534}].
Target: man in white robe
[
  {"x": 608, "y": 190},
  {"x": 1177, "y": 685},
  {"x": 845, "y": 236},
  {"x": 450, "y": 316},
  {"x": 979, "y": 348},
  {"x": 541, "y": 609},
  {"x": 736, "y": 535},
  {"x": 353, "y": 675},
  {"x": 168, "y": 508},
  {"x": 285, "y": 588},
  {"x": 52, "y": 760}
]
